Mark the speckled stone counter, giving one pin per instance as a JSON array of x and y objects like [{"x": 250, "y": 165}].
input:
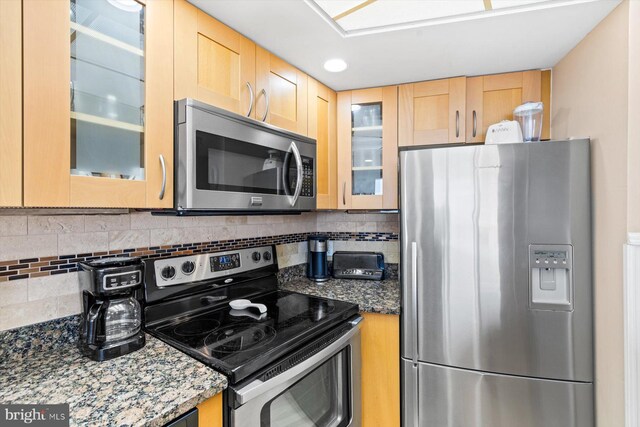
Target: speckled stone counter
[
  {"x": 41, "y": 364},
  {"x": 371, "y": 296}
]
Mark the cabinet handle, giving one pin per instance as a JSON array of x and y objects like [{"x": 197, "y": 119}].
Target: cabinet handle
[
  {"x": 457, "y": 123},
  {"x": 164, "y": 177},
  {"x": 266, "y": 108},
  {"x": 251, "y": 99},
  {"x": 475, "y": 123},
  {"x": 344, "y": 193},
  {"x": 72, "y": 90}
]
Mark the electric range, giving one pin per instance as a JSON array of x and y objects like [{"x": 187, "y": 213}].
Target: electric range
[{"x": 296, "y": 337}]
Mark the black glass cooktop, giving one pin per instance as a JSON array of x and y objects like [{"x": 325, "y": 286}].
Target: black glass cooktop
[{"x": 241, "y": 342}]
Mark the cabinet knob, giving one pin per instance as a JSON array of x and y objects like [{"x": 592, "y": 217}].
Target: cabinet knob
[
  {"x": 266, "y": 107},
  {"x": 251, "y": 99}
]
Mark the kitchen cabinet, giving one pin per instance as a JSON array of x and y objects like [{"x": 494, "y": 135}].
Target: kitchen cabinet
[
  {"x": 281, "y": 98},
  {"x": 98, "y": 116},
  {"x": 380, "y": 337},
  {"x": 493, "y": 98},
  {"x": 367, "y": 148},
  {"x": 432, "y": 112},
  {"x": 11, "y": 103},
  {"x": 210, "y": 412},
  {"x": 213, "y": 63},
  {"x": 322, "y": 128}
]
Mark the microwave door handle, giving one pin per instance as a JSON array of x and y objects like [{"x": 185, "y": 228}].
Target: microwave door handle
[
  {"x": 285, "y": 174},
  {"x": 296, "y": 155}
]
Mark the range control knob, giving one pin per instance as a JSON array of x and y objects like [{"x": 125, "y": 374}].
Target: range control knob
[
  {"x": 256, "y": 256},
  {"x": 267, "y": 256},
  {"x": 168, "y": 272},
  {"x": 188, "y": 267}
]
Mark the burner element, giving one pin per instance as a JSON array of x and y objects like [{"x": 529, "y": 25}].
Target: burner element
[
  {"x": 240, "y": 337},
  {"x": 194, "y": 327}
]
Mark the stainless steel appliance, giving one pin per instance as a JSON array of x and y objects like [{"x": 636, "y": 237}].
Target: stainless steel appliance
[
  {"x": 497, "y": 319},
  {"x": 317, "y": 262},
  {"x": 111, "y": 324},
  {"x": 228, "y": 162},
  {"x": 358, "y": 265},
  {"x": 297, "y": 364}
]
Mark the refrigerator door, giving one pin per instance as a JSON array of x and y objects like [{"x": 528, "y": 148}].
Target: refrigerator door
[
  {"x": 474, "y": 221},
  {"x": 450, "y": 397}
]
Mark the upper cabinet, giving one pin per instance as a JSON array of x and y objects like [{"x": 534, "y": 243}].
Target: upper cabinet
[
  {"x": 493, "y": 98},
  {"x": 98, "y": 116},
  {"x": 367, "y": 148},
  {"x": 213, "y": 63},
  {"x": 432, "y": 112},
  {"x": 322, "y": 128},
  {"x": 10, "y": 103},
  {"x": 282, "y": 93},
  {"x": 219, "y": 66}
]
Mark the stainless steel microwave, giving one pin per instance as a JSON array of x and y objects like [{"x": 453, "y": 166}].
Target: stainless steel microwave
[{"x": 230, "y": 163}]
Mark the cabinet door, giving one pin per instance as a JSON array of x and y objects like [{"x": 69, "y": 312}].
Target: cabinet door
[
  {"x": 97, "y": 109},
  {"x": 380, "y": 335},
  {"x": 367, "y": 148},
  {"x": 281, "y": 98},
  {"x": 213, "y": 63},
  {"x": 322, "y": 127},
  {"x": 493, "y": 98},
  {"x": 11, "y": 103},
  {"x": 432, "y": 112},
  {"x": 210, "y": 412}
]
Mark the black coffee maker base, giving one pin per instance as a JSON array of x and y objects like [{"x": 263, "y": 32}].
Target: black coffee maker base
[{"x": 100, "y": 354}]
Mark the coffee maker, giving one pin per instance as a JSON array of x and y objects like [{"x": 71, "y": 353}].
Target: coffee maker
[
  {"x": 317, "y": 264},
  {"x": 111, "y": 323}
]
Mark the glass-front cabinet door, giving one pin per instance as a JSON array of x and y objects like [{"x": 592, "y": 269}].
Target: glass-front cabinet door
[
  {"x": 367, "y": 149},
  {"x": 98, "y": 103}
]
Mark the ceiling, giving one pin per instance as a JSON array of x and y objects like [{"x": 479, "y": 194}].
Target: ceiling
[{"x": 381, "y": 47}]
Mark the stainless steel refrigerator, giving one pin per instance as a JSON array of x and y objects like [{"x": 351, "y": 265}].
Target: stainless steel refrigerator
[{"x": 497, "y": 317}]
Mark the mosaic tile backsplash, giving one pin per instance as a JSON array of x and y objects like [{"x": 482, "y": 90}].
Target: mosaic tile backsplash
[{"x": 39, "y": 254}]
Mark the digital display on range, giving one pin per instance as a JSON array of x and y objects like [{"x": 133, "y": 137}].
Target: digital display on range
[{"x": 224, "y": 262}]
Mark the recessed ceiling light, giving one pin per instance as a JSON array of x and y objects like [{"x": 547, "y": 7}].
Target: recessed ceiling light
[{"x": 335, "y": 65}]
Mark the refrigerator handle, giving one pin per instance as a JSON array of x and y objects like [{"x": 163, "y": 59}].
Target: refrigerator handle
[{"x": 414, "y": 301}]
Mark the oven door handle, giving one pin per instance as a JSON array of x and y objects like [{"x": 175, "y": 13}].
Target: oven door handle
[{"x": 288, "y": 378}]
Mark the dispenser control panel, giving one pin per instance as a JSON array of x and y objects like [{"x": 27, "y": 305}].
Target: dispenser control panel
[{"x": 551, "y": 277}]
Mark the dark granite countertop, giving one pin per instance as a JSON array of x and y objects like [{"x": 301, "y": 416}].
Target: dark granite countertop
[
  {"x": 371, "y": 296},
  {"x": 41, "y": 364}
]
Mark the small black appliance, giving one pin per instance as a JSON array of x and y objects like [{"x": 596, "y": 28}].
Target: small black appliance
[
  {"x": 317, "y": 264},
  {"x": 358, "y": 265},
  {"x": 111, "y": 323}
]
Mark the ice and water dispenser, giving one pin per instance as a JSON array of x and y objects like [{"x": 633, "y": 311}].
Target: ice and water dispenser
[{"x": 551, "y": 277}]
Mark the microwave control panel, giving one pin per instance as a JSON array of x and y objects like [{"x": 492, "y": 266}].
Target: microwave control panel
[{"x": 307, "y": 177}]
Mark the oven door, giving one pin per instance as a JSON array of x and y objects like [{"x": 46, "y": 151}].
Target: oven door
[
  {"x": 226, "y": 162},
  {"x": 321, "y": 391}
]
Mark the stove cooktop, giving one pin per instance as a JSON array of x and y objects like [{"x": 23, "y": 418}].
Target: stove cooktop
[{"x": 239, "y": 343}]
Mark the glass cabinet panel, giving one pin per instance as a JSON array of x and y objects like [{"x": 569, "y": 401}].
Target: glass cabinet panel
[
  {"x": 366, "y": 149},
  {"x": 107, "y": 88}
]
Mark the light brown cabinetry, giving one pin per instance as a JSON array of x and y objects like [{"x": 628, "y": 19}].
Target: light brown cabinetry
[
  {"x": 96, "y": 134},
  {"x": 216, "y": 65},
  {"x": 213, "y": 63},
  {"x": 210, "y": 412},
  {"x": 367, "y": 148},
  {"x": 10, "y": 103},
  {"x": 380, "y": 338},
  {"x": 493, "y": 98},
  {"x": 432, "y": 112},
  {"x": 322, "y": 128},
  {"x": 281, "y": 98}
]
